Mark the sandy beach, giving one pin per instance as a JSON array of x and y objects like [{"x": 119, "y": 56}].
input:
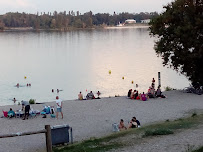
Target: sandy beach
[{"x": 94, "y": 118}]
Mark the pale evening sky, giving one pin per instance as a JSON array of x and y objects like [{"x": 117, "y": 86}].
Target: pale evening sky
[{"x": 96, "y": 6}]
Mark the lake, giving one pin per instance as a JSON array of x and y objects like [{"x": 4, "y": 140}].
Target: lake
[{"x": 80, "y": 60}]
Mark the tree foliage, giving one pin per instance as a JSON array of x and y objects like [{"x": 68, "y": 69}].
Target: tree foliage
[
  {"x": 180, "y": 38},
  {"x": 65, "y": 20}
]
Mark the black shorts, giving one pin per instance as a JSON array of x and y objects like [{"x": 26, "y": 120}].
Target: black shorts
[{"x": 27, "y": 109}]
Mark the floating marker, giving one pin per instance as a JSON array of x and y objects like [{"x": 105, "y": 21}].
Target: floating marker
[
  {"x": 132, "y": 82},
  {"x": 109, "y": 71},
  {"x": 25, "y": 77},
  {"x": 123, "y": 78}
]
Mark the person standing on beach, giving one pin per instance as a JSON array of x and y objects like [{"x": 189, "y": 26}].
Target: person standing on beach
[
  {"x": 59, "y": 107},
  {"x": 26, "y": 105}
]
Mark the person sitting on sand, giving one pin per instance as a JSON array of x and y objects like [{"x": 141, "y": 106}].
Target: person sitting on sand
[
  {"x": 11, "y": 113},
  {"x": 98, "y": 93},
  {"x": 159, "y": 93},
  {"x": 80, "y": 96},
  {"x": 129, "y": 93},
  {"x": 151, "y": 92},
  {"x": 132, "y": 124},
  {"x": 132, "y": 96},
  {"x": 137, "y": 121},
  {"x": 90, "y": 95},
  {"x": 138, "y": 97},
  {"x": 143, "y": 97},
  {"x": 121, "y": 125},
  {"x": 135, "y": 95}
]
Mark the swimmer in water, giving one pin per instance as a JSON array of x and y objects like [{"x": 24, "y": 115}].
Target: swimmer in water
[{"x": 14, "y": 100}]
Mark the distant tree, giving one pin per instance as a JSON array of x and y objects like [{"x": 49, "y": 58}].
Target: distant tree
[
  {"x": 78, "y": 23},
  {"x": 2, "y": 26},
  {"x": 180, "y": 38}
]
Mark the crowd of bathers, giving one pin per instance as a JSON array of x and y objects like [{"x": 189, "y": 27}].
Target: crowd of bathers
[{"x": 150, "y": 94}]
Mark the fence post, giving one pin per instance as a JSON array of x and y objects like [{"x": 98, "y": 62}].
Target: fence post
[{"x": 48, "y": 138}]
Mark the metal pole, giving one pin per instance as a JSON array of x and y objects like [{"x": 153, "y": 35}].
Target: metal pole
[
  {"x": 48, "y": 138},
  {"x": 159, "y": 78},
  {"x": 71, "y": 135}
]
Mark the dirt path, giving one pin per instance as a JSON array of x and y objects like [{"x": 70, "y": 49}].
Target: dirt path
[{"x": 183, "y": 141}]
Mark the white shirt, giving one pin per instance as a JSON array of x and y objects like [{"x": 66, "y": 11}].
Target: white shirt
[{"x": 58, "y": 103}]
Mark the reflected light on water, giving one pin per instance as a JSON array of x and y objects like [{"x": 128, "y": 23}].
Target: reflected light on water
[{"x": 78, "y": 60}]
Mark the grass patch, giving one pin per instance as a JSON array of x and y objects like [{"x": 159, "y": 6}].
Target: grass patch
[
  {"x": 194, "y": 114},
  {"x": 200, "y": 149},
  {"x": 158, "y": 131},
  {"x": 113, "y": 141},
  {"x": 92, "y": 145}
]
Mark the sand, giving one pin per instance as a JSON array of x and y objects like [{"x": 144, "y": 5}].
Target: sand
[{"x": 94, "y": 118}]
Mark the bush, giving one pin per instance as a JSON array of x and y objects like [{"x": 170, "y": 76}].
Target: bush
[
  {"x": 168, "y": 88},
  {"x": 194, "y": 114},
  {"x": 32, "y": 101},
  {"x": 156, "y": 132}
]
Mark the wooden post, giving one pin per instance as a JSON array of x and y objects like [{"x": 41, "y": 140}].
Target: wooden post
[{"x": 48, "y": 138}]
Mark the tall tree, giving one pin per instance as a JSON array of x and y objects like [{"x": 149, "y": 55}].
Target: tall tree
[{"x": 180, "y": 38}]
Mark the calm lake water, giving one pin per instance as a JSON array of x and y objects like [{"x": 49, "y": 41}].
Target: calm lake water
[{"x": 79, "y": 61}]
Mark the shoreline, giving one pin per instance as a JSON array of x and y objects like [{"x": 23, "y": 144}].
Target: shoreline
[
  {"x": 94, "y": 118},
  {"x": 25, "y": 29}
]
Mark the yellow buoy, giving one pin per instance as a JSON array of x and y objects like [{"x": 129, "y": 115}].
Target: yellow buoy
[
  {"x": 123, "y": 78},
  {"x": 109, "y": 71},
  {"x": 25, "y": 77},
  {"x": 132, "y": 82}
]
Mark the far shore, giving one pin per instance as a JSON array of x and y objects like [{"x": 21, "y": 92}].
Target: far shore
[
  {"x": 9, "y": 29},
  {"x": 94, "y": 118}
]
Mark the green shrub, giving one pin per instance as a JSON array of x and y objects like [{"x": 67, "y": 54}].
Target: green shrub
[
  {"x": 32, "y": 101},
  {"x": 158, "y": 131},
  {"x": 200, "y": 149},
  {"x": 168, "y": 88},
  {"x": 194, "y": 114}
]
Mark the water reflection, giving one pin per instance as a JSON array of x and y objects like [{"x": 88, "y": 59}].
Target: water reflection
[{"x": 78, "y": 60}]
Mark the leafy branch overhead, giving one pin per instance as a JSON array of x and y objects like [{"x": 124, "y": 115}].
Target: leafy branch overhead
[{"x": 179, "y": 31}]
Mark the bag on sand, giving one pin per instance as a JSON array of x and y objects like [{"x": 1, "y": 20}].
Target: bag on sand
[{"x": 115, "y": 127}]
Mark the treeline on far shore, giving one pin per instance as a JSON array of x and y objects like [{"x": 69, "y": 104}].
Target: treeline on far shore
[{"x": 66, "y": 21}]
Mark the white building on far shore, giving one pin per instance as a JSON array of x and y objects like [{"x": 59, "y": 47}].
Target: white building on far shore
[
  {"x": 145, "y": 21},
  {"x": 130, "y": 21}
]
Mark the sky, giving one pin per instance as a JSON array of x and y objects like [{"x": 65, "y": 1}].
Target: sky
[{"x": 96, "y": 6}]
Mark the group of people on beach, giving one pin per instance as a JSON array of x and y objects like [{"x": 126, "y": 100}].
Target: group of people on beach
[
  {"x": 150, "y": 94},
  {"x": 134, "y": 123},
  {"x": 26, "y": 109},
  {"x": 89, "y": 96}
]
